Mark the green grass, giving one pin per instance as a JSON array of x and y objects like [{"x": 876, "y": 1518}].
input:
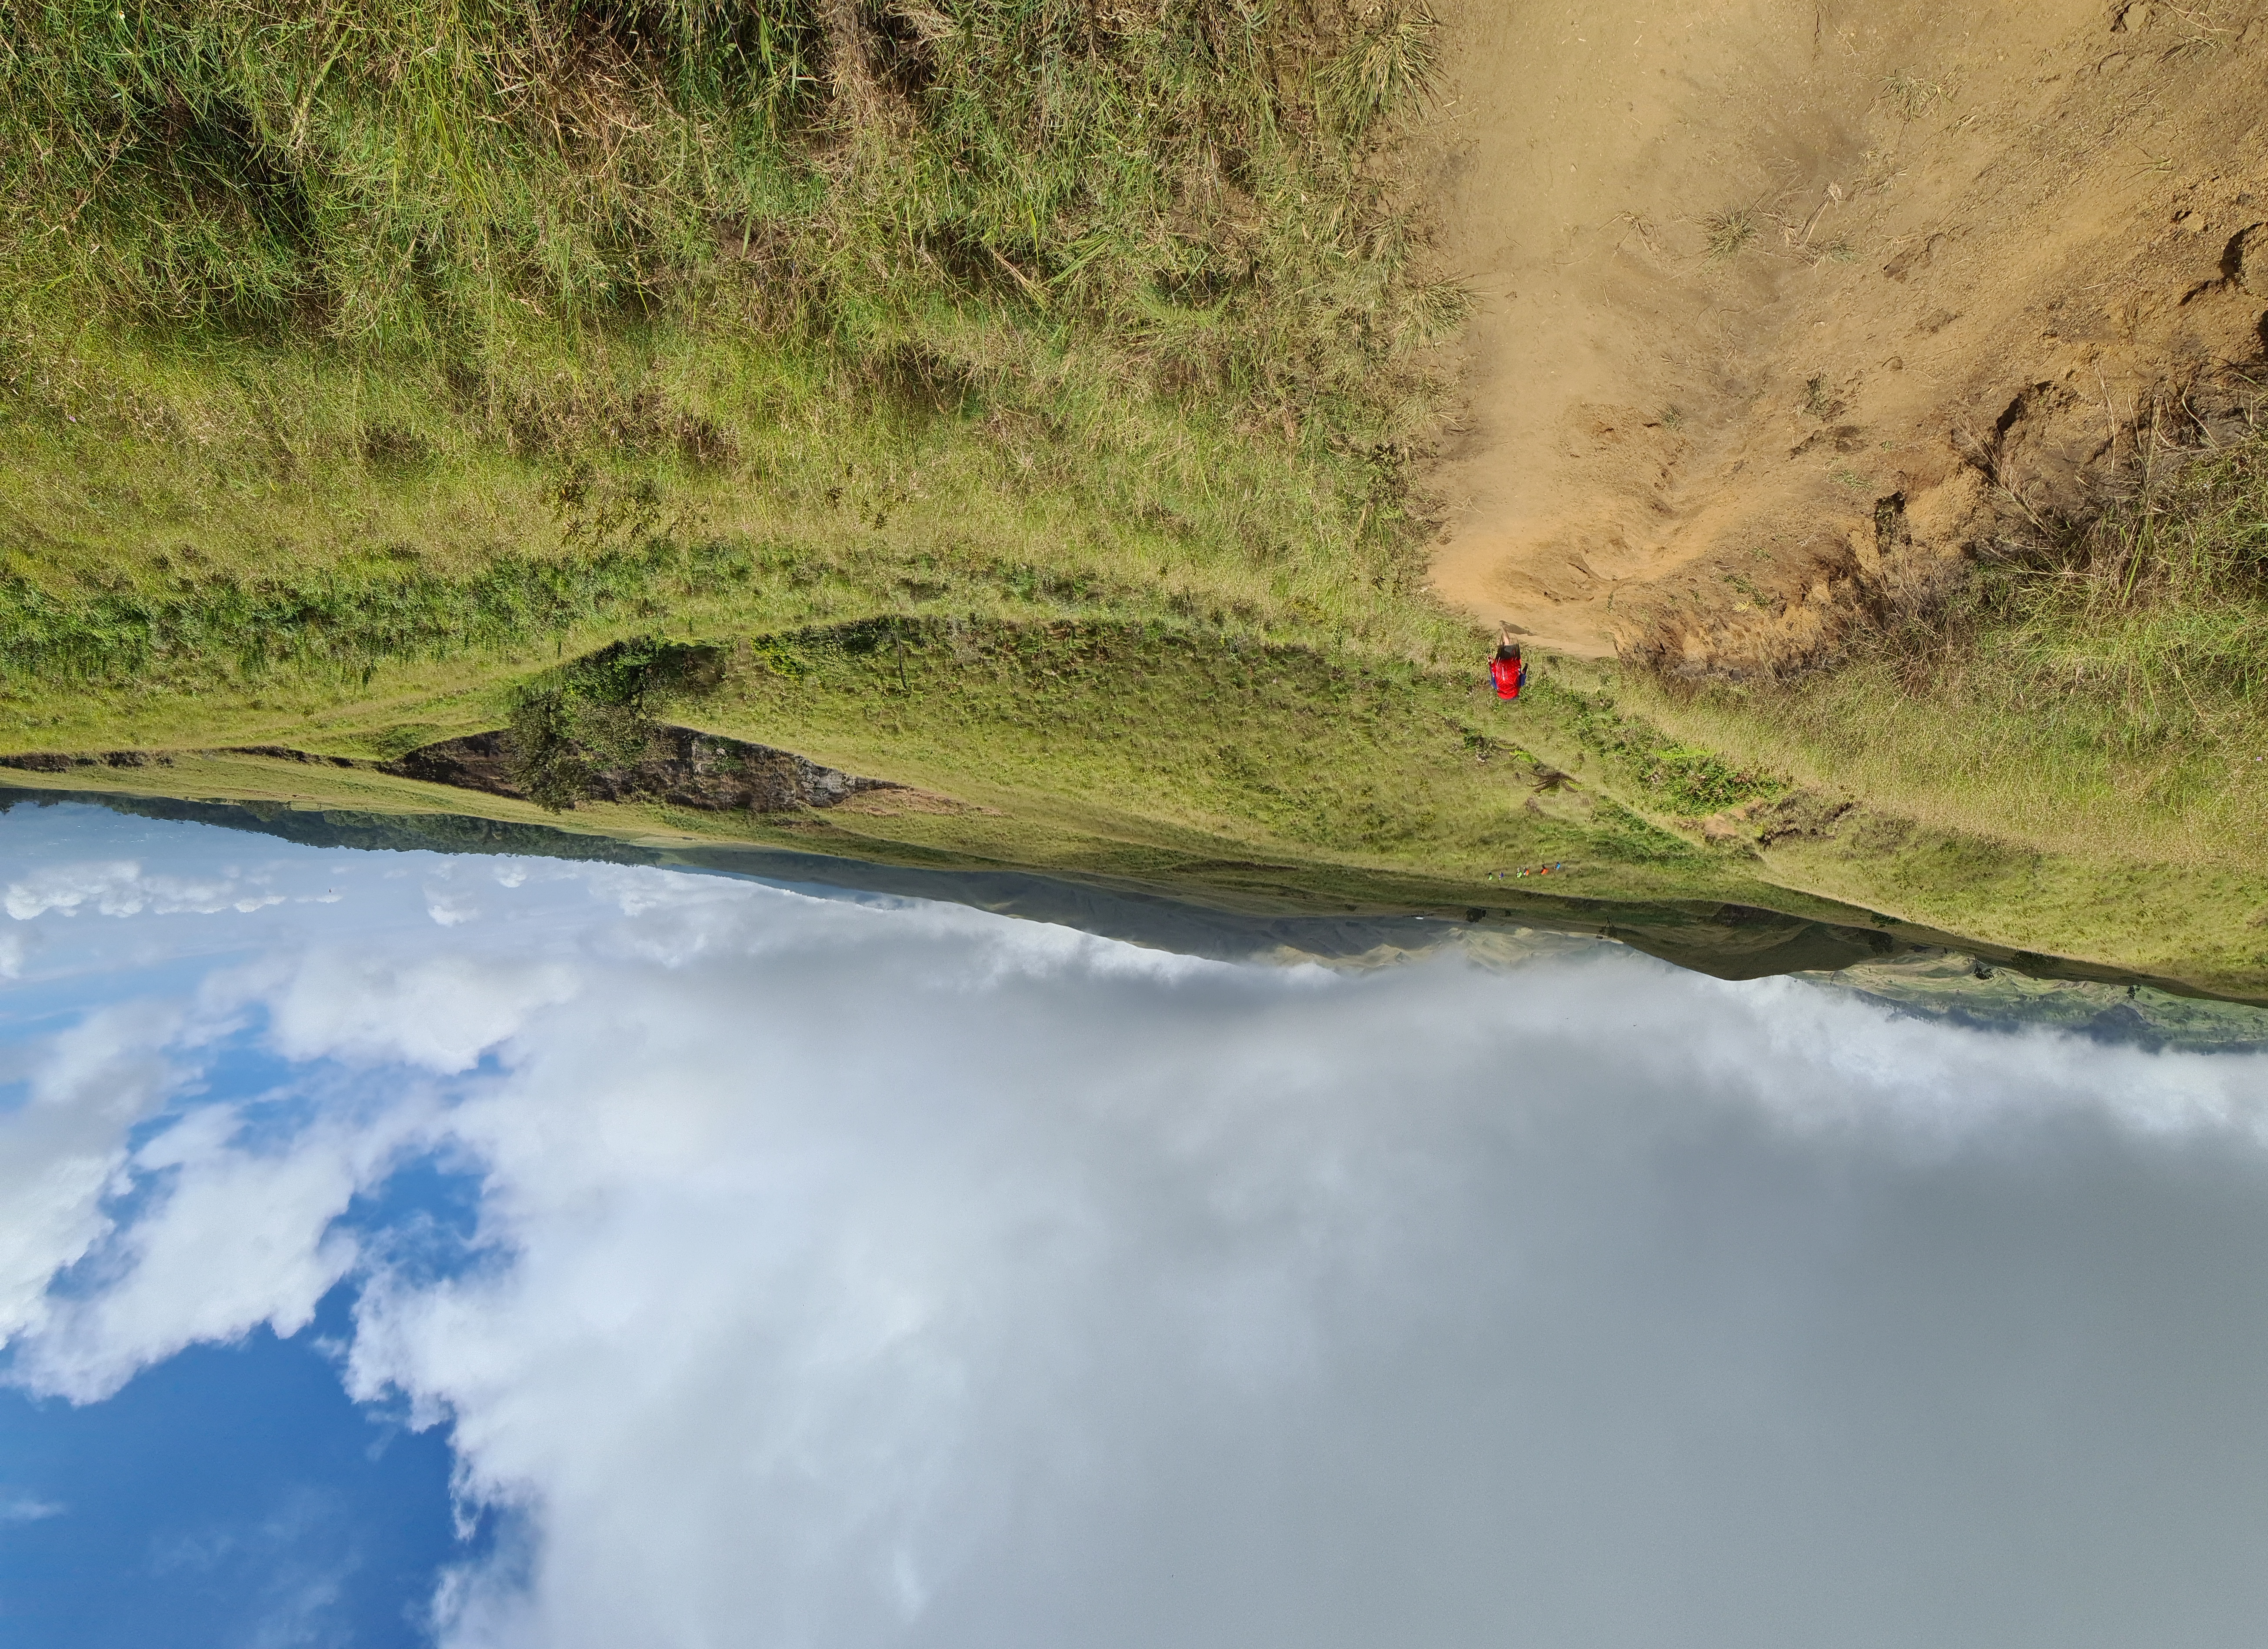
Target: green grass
[
  {"x": 1162, "y": 730},
  {"x": 2101, "y": 694},
  {"x": 364, "y": 367},
  {"x": 1376, "y": 760},
  {"x": 1682, "y": 780},
  {"x": 2073, "y": 744},
  {"x": 1092, "y": 746},
  {"x": 362, "y": 334},
  {"x": 468, "y": 178}
]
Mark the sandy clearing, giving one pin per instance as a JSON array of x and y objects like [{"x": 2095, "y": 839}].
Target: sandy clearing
[{"x": 1978, "y": 238}]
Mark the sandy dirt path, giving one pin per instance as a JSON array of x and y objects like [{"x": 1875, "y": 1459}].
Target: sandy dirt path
[{"x": 1783, "y": 302}]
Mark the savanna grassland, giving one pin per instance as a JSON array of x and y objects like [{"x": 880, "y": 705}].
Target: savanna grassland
[
  {"x": 367, "y": 367},
  {"x": 1030, "y": 403},
  {"x": 360, "y": 358},
  {"x": 341, "y": 338}
]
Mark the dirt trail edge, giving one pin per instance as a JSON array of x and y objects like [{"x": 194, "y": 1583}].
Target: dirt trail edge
[{"x": 1780, "y": 304}]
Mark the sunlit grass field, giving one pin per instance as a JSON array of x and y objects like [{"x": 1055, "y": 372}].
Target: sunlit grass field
[
  {"x": 366, "y": 333},
  {"x": 2102, "y": 693}
]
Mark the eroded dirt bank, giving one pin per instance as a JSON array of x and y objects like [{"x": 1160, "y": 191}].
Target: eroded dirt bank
[
  {"x": 1782, "y": 304},
  {"x": 679, "y": 768}
]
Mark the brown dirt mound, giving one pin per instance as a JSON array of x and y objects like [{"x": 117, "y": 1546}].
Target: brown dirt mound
[{"x": 1783, "y": 306}]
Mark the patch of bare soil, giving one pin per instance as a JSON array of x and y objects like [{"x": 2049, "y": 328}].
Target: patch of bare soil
[
  {"x": 1783, "y": 304},
  {"x": 681, "y": 768}
]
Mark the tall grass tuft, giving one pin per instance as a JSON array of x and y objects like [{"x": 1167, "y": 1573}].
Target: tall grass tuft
[
  {"x": 2162, "y": 606},
  {"x": 1390, "y": 63}
]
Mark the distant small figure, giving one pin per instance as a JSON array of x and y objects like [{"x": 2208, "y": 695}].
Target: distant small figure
[
  {"x": 1531, "y": 869},
  {"x": 1506, "y": 669}
]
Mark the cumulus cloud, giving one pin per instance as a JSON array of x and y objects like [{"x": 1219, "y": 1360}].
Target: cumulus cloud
[
  {"x": 122, "y": 888},
  {"x": 872, "y": 1275},
  {"x": 63, "y": 1147},
  {"x": 237, "y": 1236},
  {"x": 439, "y": 1012},
  {"x": 1141, "y": 1307}
]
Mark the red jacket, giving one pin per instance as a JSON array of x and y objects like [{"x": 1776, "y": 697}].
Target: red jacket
[{"x": 1508, "y": 673}]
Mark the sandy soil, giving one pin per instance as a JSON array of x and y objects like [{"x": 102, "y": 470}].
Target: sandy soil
[{"x": 1969, "y": 256}]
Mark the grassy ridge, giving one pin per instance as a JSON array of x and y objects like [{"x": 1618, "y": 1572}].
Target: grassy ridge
[
  {"x": 1178, "y": 757},
  {"x": 391, "y": 349},
  {"x": 1376, "y": 760},
  {"x": 1166, "y": 739},
  {"x": 1083, "y": 745}
]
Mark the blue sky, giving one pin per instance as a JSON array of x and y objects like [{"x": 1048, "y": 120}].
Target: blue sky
[
  {"x": 228, "y": 1495},
  {"x": 402, "y": 1249}
]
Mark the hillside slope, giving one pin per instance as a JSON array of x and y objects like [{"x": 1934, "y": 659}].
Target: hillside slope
[
  {"x": 1032, "y": 407},
  {"x": 1781, "y": 307}
]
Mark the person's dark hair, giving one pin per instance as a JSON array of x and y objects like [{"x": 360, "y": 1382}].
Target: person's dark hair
[{"x": 1507, "y": 649}]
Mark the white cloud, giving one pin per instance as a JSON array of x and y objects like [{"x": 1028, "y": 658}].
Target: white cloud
[
  {"x": 64, "y": 1146},
  {"x": 869, "y": 1275},
  {"x": 119, "y": 888},
  {"x": 850, "y": 1306},
  {"x": 441, "y": 1013},
  {"x": 236, "y": 1236},
  {"x": 67, "y": 887},
  {"x": 450, "y": 908},
  {"x": 24, "y": 1508}
]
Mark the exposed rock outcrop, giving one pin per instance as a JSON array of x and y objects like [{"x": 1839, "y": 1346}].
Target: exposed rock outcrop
[{"x": 681, "y": 768}]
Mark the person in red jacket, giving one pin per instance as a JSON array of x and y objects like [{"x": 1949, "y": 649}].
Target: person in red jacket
[{"x": 1506, "y": 669}]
